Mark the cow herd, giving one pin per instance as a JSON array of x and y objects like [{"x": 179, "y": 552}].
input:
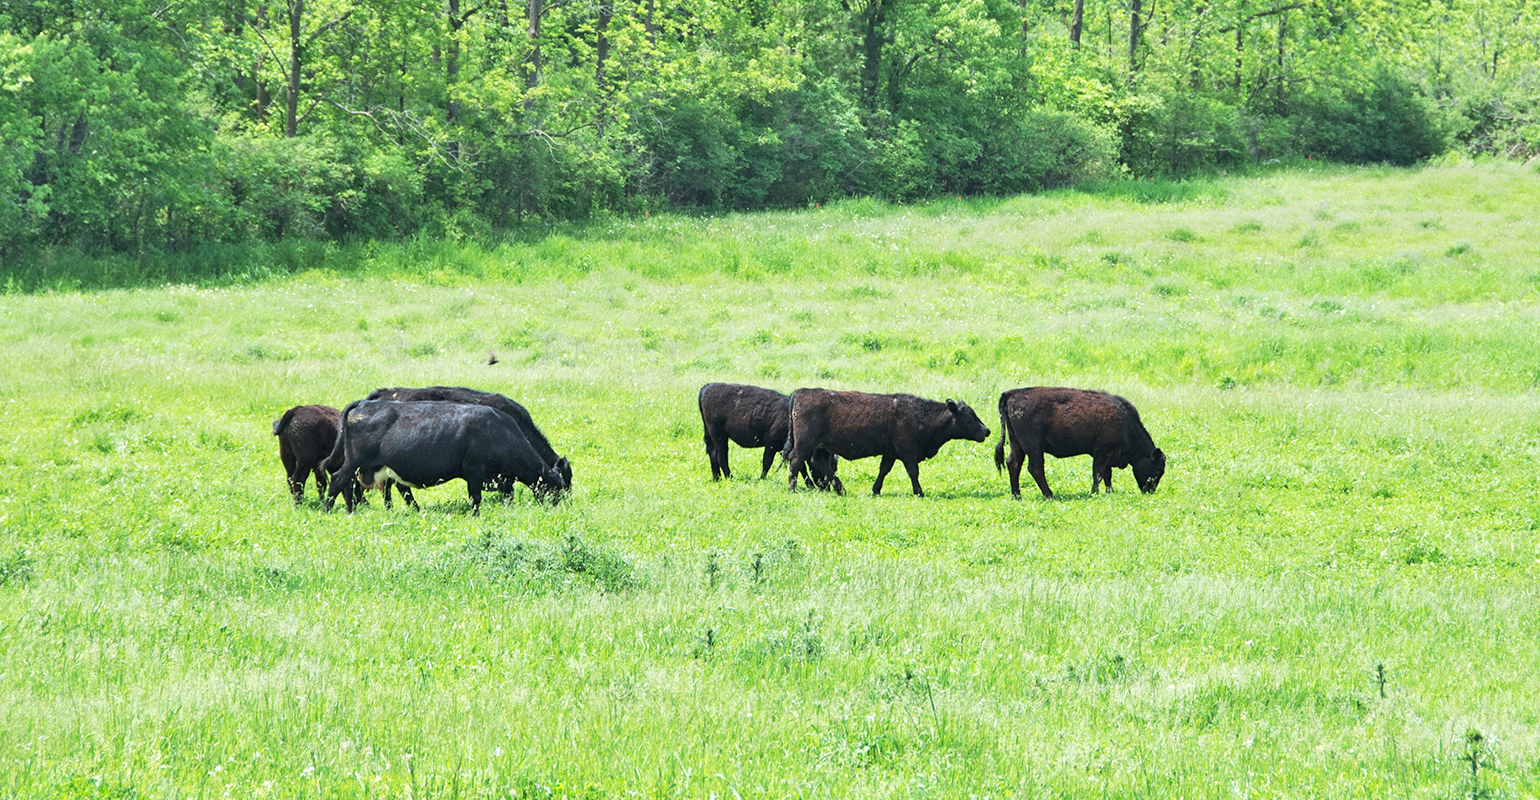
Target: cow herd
[
  {"x": 814, "y": 428},
  {"x": 412, "y": 438}
]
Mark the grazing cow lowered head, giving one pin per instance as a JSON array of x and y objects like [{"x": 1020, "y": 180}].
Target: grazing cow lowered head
[
  {"x": 752, "y": 416},
  {"x": 1065, "y": 422},
  {"x": 520, "y": 414},
  {"x": 306, "y": 436},
  {"x": 898, "y": 427},
  {"x": 419, "y": 444}
]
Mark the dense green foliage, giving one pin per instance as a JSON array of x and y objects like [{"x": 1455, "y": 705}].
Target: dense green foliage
[
  {"x": 147, "y": 128},
  {"x": 1332, "y": 595}
]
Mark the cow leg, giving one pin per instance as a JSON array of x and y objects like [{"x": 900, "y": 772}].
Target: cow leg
[
  {"x": 342, "y": 483},
  {"x": 1107, "y": 475},
  {"x": 297, "y": 486},
  {"x": 411, "y": 500},
  {"x": 716, "y": 447},
  {"x": 290, "y": 465},
  {"x": 473, "y": 488},
  {"x": 1035, "y": 468},
  {"x": 320, "y": 483},
  {"x": 711, "y": 453},
  {"x": 913, "y": 468},
  {"x": 1098, "y": 463},
  {"x": 385, "y": 490},
  {"x": 796, "y": 465},
  {"x": 1013, "y": 466},
  {"x": 767, "y": 462},
  {"x": 839, "y": 488},
  {"x": 882, "y": 472}
]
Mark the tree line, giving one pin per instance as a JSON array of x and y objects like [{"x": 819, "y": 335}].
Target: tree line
[{"x": 149, "y": 126}]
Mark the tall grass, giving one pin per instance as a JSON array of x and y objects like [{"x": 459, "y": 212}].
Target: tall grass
[{"x": 1348, "y": 510}]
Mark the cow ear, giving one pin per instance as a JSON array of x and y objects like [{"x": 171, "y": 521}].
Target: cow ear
[
  {"x": 1159, "y": 455},
  {"x": 951, "y": 405}
]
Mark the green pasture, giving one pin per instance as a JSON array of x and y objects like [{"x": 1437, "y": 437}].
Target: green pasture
[{"x": 1333, "y": 594}]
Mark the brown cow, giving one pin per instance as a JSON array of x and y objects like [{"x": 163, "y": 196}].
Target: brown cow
[
  {"x": 1066, "y": 422},
  {"x": 306, "y": 436},
  {"x": 898, "y": 427},
  {"x": 752, "y": 416}
]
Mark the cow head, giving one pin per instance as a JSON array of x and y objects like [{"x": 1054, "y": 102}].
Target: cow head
[
  {"x": 1148, "y": 471},
  {"x": 824, "y": 467},
  {"x": 554, "y": 480},
  {"x": 968, "y": 424},
  {"x": 550, "y": 484}
]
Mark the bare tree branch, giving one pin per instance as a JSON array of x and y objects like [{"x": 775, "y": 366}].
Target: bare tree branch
[
  {"x": 1259, "y": 15},
  {"x": 452, "y": 157},
  {"x": 328, "y": 26}
]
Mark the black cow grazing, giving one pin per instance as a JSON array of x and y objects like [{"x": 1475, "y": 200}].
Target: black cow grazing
[
  {"x": 306, "y": 437},
  {"x": 898, "y": 427},
  {"x": 1075, "y": 422},
  {"x": 421, "y": 444},
  {"x": 460, "y": 394},
  {"x": 751, "y": 416}
]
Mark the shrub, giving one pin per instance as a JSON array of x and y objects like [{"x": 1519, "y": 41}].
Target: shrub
[{"x": 1389, "y": 122}]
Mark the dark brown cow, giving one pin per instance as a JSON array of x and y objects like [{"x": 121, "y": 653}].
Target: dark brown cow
[
  {"x": 898, "y": 427},
  {"x": 1066, "y": 422},
  {"x": 752, "y": 416},
  {"x": 306, "y": 437}
]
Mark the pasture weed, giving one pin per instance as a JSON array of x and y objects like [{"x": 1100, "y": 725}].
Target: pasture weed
[{"x": 16, "y": 568}]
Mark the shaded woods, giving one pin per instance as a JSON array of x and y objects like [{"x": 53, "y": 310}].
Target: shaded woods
[{"x": 142, "y": 127}]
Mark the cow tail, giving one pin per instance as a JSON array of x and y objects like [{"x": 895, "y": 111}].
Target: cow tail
[
  {"x": 334, "y": 461},
  {"x": 1005, "y": 426},
  {"x": 283, "y": 422},
  {"x": 791, "y": 431}
]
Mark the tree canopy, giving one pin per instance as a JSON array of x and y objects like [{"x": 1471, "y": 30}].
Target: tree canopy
[{"x": 137, "y": 126}]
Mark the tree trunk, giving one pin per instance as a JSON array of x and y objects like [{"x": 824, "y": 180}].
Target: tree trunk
[
  {"x": 1021, "y": 6},
  {"x": 263, "y": 98},
  {"x": 532, "y": 66},
  {"x": 602, "y": 46},
  {"x": 1076, "y": 22},
  {"x": 452, "y": 62},
  {"x": 1133, "y": 36},
  {"x": 1278, "y": 85},
  {"x": 1240, "y": 44},
  {"x": 236, "y": 30},
  {"x": 296, "y": 62},
  {"x": 1194, "y": 80},
  {"x": 872, "y": 21}
]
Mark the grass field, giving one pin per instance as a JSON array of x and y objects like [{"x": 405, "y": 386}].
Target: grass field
[{"x": 1333, "y": 594}]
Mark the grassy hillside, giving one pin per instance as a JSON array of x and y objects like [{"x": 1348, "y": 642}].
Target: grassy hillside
[{"x": 1333, "y": 594}]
